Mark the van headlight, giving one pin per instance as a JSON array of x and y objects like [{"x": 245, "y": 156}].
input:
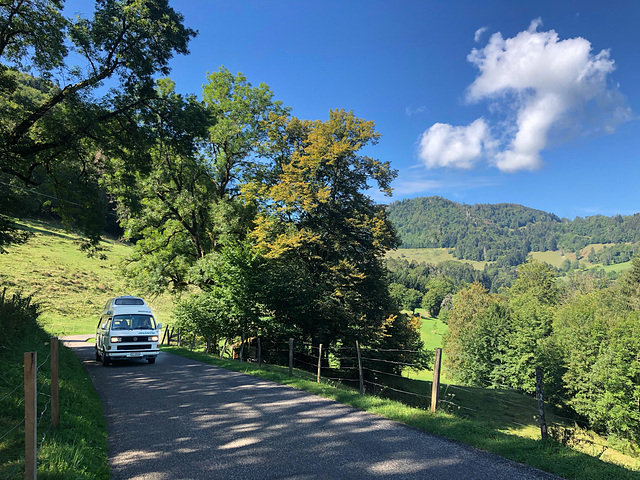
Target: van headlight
[
  {"x": 154, "y": 338},
  {"x": 115, "y": 339}
]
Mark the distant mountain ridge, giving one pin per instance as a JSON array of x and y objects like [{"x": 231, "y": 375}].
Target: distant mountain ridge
[{"x": 505, "y": 231}]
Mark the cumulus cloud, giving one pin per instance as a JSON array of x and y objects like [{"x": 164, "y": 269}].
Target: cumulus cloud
[
  {"x": 446, "y": 146},
  {"x": 541, "y": 83}
]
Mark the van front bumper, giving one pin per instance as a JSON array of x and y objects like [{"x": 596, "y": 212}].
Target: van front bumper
[{"x": 132, "y": 353}]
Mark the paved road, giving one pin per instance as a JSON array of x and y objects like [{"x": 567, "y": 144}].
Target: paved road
[{"x": 182, "y": 419}]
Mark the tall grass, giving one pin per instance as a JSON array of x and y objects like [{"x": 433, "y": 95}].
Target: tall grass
[{"x": 78, "y": 448}]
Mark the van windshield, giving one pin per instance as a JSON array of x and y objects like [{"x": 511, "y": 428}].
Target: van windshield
[{"x": 133, "y": 322}]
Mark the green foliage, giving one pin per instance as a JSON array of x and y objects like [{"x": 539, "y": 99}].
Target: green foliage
[
  {"x": 184, "y": 207},
  {"x": 316, "y": 219},
  {"x": 56, "y": 134},
  {"x": 473, "y": 343},
  {"x": 437, "y": 291},
  {"x": 587, "y": 343},
  {"x": 507, "y": 233},
  {"x": 500, "y": 341},
  {"x": 599, "y": 337}
]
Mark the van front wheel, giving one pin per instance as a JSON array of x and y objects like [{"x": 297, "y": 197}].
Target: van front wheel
[
  {"x": 97, "y": 355},
  {"x": 105, "y": 359},
  {"x": 151, "y": 360}
]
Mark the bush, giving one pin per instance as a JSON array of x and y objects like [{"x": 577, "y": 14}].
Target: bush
[{"x": 18, "y": 314}]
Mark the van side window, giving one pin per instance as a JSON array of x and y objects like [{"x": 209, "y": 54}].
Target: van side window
[{"x": 107, "y": 324}]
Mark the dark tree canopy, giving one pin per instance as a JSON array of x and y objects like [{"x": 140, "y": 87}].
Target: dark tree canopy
[{"x": 57, "y": 127}]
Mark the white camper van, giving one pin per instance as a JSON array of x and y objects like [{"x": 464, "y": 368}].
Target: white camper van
[{"x": 126, "y": 330}]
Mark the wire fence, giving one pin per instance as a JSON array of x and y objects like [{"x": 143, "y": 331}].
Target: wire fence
[
  {"x": 28, "y": 391},
  {"x": 383, "y": 372}
]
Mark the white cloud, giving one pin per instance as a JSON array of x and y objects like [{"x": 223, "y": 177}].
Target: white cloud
[
  {"x": 543, "y": 84},
  {"x": 460, "y": 147},
  {"x": 450, "y": 185},
  {"x": 479, "y": 33},
  {"x": 409, "y": 111}
]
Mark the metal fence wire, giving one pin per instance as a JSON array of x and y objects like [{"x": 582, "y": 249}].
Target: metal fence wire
[{"x": 382, "y": 372}]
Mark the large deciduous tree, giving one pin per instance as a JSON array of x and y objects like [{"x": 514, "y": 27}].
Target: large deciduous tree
[
  {"x": 185, "y": 208},
  {"x": 318, "y": 223},
  {"x": 57, "y": 124}
]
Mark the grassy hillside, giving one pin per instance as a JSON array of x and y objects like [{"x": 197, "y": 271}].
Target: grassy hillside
[
  {"x": 72, "y": 287},
  {"x": 558, "y": 257},
  {"x": 555, "y": 258},
  {"x": 430, "y": 255}
]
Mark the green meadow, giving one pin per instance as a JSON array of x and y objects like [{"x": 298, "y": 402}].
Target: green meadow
[
  {"x": 71, "y": 287},
  {"x": 429, "y": 255}
]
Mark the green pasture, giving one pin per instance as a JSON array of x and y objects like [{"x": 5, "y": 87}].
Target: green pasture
[
  {"x": 558, "y": 257},
  {"x": 72, "y": 287},
  {"x": 432, "y": 332},
  {"x": 430, "y": 255},
  {"x": 555, "y": 258}
]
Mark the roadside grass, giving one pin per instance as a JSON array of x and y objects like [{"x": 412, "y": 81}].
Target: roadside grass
[
  {"x": 472, "y": 427},
  {"x": 75, "y": 450}
]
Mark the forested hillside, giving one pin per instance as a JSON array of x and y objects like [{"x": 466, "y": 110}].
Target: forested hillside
[{"x": 504, "y": 232}]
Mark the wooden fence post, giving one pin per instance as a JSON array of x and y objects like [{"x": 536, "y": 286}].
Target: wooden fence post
[
  {"x": 166, "y": 330},
  {"x": 360, "y": 368},
  {"x": 193, "y": 341},
  {"x": 224, "y": 347},
  {"x": 55, "y": 395},
  {"x": 30, "y": 424},
  {"x": 259, "y": 353},
  {"x": 241, "y": 347},
  {"x": 435, "y": 386},
  {"x": 291, "y": 357},
  {"x": 319, "y": 361},
  {"x": 540, "y": 395}
]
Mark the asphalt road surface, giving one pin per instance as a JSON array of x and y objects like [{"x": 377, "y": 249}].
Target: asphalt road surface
[{"x": 183, "y": 419}]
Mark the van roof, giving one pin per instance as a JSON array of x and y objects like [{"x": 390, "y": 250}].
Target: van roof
[
  {"x": 126, "y": 304},
  {"x": 128, "y": 300}
]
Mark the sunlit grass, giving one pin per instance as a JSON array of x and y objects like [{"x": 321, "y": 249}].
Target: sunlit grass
[
  {"x": 72, "y": 288},
  {"x": 430, "y": 255}
]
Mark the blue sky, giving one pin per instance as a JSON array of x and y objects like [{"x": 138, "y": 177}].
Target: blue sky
[{"x": 528, "y": 102}]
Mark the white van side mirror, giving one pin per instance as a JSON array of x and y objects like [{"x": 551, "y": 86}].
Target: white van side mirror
[{"x": 159, "y": 326}]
